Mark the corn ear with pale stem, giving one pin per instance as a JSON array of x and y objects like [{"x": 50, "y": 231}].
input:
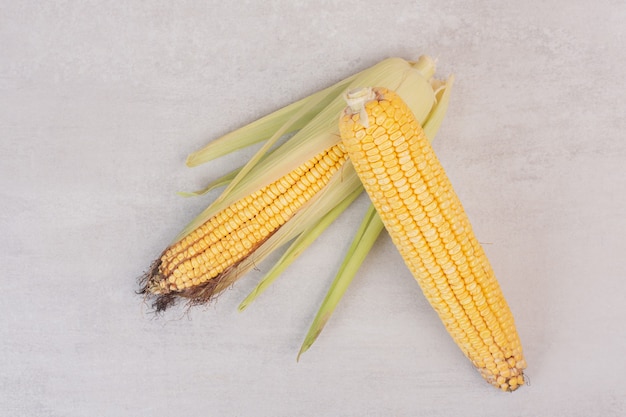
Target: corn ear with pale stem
[{"x": 426, "y": 221}]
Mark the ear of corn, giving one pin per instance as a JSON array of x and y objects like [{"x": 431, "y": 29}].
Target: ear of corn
[
  {"x": 427, "y": 223},
  {"x": 194, "y": 266}
]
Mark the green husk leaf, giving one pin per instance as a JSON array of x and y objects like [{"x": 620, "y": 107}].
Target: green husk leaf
[
  {"x": 370, "y": 228},
  {"x": 266, "y": 127},
  {"x": 219, "y": 182},
  {"x": 258, "y": 156}
]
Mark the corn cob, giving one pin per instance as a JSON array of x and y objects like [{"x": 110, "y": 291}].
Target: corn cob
[
  {"x": 194, "y": 266},
  {"x": 427, "y": 223}
]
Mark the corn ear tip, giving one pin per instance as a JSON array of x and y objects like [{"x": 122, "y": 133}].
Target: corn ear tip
[
  {"x": 309, "y": 341},
  {"x": 311, "y": 337}
]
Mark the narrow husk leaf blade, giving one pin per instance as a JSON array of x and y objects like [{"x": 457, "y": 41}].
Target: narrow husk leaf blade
[
  {"x": 219, "y": 182},
  {"x": 370, "y": 228},
  {"x": 266, "y": 127}
]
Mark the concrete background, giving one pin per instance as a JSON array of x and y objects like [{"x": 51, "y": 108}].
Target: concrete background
[{"x": 101, "y": 101}]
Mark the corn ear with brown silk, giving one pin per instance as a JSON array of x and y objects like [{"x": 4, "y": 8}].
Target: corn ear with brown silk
[{"x": 277, "y": 194}]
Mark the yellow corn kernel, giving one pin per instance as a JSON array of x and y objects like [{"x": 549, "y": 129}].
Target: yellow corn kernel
[{"x": 435, "y": 239}]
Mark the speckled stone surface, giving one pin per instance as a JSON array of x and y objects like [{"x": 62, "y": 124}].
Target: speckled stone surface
[{"x": 101, "y": 101}]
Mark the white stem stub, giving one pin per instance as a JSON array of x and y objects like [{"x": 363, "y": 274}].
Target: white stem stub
[{"x": 356, "y": 100}]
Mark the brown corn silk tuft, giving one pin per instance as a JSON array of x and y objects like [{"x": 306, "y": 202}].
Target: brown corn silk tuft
[
  {"x": 198, "y": 266},
  {"x": 428, "y": 225}
]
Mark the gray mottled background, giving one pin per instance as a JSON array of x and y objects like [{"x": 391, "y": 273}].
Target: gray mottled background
[{"x": 101, "y": 101}]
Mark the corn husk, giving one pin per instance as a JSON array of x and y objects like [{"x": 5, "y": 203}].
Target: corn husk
[{"x": 312, "y": 122}]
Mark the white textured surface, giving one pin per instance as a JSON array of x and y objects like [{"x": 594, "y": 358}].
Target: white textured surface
[{"x": 101, "y": 101}]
